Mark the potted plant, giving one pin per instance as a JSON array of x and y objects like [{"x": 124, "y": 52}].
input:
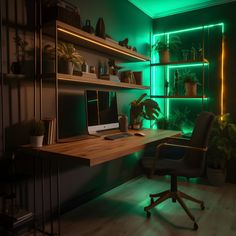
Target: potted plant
[
  {"x": 24, "y": 57},
  {"x": 147, "y": 109},
  {"x": 68, "y": 58},
  {"x": 37, "y": 130},
  {"x": 164, "y": 48},
  {"x": 222, "y": 147},
  {"x": 190, "y": 83}
]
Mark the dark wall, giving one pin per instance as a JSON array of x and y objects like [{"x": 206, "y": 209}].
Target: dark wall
[
  {"x": 22, "y": 97},
  {"x": 223, "y": 13}
]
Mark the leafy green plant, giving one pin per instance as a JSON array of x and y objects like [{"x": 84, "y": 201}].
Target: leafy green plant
[
  {"x": 147, "y": 109},
  {"x": 37, "y": 128},
  {"x": 173, "y": 45},
  {"x": 68, "y": 52},
  {"x": 222, "y": 143},
  {"x": 189, "y": 77},
  {"x": 177, "y": 121}
]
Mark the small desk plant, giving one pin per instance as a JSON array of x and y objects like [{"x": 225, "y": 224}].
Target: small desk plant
[
  {"x": 147, "y": 109},
  {"x": 37, "y": 131},
  {"x": 222, "y": 148}
]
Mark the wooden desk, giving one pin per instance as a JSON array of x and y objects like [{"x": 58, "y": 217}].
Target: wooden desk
[
  {"x": 97, "y": 150},
  {"x": 89, "y": 152}
]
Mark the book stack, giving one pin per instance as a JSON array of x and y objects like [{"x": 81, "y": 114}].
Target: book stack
[{"x": 50, "y": 130}]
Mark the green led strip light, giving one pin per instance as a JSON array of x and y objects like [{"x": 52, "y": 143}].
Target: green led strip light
[{"x": 154, "y": 59}]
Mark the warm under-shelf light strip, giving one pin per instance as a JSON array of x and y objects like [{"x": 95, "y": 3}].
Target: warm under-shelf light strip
[{"x": 100, "y": 44}]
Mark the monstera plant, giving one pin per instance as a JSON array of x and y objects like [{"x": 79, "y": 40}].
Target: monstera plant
[{"x": 143, "y": 109}]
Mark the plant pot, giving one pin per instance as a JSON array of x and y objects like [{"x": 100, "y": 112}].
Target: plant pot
[
  {"x": 164, "y": 56},
  {"x": 190, "y": 89},
  {"x": 36, "y": 141},
  {"x": 216, "y": 177},
  {"x": 65, "y": 67}
]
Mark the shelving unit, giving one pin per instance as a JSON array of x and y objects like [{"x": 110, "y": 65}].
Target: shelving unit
[
  {"x": 79, "y": 37},
  {"x": 207, "y": 70},
  {"x": 109, "y": 48}
]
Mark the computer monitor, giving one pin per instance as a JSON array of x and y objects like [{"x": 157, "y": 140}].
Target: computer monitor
[{"x": 101, "y": 110}]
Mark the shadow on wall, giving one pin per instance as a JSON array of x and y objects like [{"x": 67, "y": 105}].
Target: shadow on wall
[{"x": 17, "y": 134}]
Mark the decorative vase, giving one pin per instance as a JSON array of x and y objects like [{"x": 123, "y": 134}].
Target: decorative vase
[
  {"x": 36, "y": 141},
  {"x": 88, "y": 28},
  {"x": 100, "y": 28}
]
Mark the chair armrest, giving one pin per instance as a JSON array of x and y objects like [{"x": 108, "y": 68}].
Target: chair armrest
[
  {"x": 188, "y": 147},
  {"x": 178, "y": 140}
]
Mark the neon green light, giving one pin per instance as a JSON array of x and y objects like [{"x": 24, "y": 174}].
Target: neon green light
[
  {"x": 188, "y": 65},
  {"x": 189, "y": 29},
  {"x": 190, "y": 99},
  {"x": 168, "y": 101}
]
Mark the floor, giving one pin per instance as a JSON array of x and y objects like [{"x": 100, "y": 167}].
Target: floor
[{"x": 119, "y": 212}]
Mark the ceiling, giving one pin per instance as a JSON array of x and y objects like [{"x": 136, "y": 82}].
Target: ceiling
[{"x": 161, "y": 8}]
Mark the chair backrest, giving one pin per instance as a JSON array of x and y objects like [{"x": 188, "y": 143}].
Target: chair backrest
[{"x": 200, "y": 137}]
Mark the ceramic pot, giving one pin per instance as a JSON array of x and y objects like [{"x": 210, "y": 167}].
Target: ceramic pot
[
  {"x": 190, "y": 89},
  {"x": 36, "y": 141},
  {"x": 164, "y": 56}
]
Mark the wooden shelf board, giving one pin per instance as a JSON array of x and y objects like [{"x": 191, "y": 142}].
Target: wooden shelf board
[
  {"x": 82, "y": 38},
  {"x": 180, "y": 62},
  {"x": 99, "y": 82},
  {"x": 156, "y": 96}
]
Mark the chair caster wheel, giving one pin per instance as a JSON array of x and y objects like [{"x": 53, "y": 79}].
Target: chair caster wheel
[
  {"x": 148, "y": 214},
  {"x": 195, "y": 226},
  {"x": 202, "y": 207},
  {"x": 152, "y": 200}
]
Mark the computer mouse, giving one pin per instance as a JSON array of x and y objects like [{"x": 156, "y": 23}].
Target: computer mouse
[{"x": 139, "y": 134}]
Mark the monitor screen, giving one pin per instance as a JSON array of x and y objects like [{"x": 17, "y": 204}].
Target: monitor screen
[{"x": 101, "y": 110}]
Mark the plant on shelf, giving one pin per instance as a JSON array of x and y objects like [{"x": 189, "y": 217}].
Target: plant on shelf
[
  {"x": 222, "y": 148},
  {"x": 69, "y": 57},
  {"x": 147, "y": 109},
  {"x": 24, "y": 56},
  {"x": 37, "y": 130},
  {"x": 164, "y": 48},
  {"x": 190, "y": 81}
]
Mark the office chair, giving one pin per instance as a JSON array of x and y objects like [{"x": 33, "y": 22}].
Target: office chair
[{"x": 191, "y": 164}]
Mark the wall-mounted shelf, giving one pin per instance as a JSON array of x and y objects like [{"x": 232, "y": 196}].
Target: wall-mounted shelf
[
  {"x": 205, "y": 61},
  {"x": 77, "y": 36},
  {"x": 98, "y": 82},
  {"x": 157, "y": 96}
]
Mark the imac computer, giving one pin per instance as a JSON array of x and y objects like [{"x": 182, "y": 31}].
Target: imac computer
[{"x": 101, "y": 111}]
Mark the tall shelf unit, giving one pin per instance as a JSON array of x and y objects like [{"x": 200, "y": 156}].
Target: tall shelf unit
[
  {"x": 64, "y": 32},
  {"x": 197, "y": 55}
]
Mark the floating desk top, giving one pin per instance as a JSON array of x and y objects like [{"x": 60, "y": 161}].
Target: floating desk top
[{"x": 97, "y": 150}]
